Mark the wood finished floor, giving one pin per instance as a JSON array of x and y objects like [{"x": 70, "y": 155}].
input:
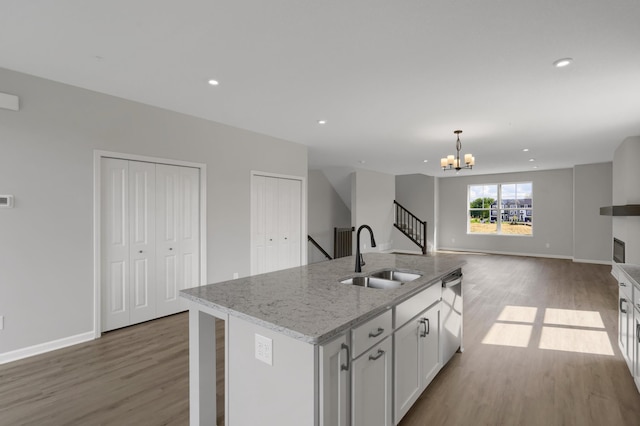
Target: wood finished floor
[{"x": 139, "y": 375}]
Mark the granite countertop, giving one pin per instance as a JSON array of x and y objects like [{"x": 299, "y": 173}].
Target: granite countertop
[
  {"x": 633, "y": 271},
  {"x": 308, "y": 302}
]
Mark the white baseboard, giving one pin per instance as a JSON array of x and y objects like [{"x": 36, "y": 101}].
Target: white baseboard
[
  {"x": 505, "y": 253},
  {"x": 45, "y": 347},
  {"x": 597, "y": 262}
]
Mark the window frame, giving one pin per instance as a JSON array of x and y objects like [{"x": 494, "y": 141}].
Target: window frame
[{"x": 500, "y": 209}]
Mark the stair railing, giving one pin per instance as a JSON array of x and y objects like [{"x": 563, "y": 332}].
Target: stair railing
[
  {"x": 318, "y": 246},
  {"x": 411, "y": 226}
]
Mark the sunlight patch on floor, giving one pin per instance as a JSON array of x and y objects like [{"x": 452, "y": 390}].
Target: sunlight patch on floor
[
  {"x": 575, "y": 340},
  {"x": 518, "y": 314},
  {"x": 566, "y": 330},
  {"x": 517, "y": 335},
  {"x": 571, "y": 317}
]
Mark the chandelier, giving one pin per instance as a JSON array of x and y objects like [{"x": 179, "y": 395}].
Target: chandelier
[{"x": 451, "y": 162}]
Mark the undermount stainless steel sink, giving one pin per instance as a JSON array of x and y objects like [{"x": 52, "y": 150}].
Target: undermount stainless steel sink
[
  {"x": 391, "y": 274},
  {"x": 386, "y": 280}
]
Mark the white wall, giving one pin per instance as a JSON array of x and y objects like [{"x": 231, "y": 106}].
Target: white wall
[
  {"x": 372, "y": 195},
  {"x": 626, "y": 190},
  {"x": 46, "y": 161},
  {"x": 326, "y": 211},
  {"x": 592, "y": 232},
  {"x": 416, "y": 193},
  {"x": 552, "y": 215}
]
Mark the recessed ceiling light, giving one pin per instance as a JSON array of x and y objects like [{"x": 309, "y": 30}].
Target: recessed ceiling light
[
  {"x": 213, "y": 82},
  {"x": 322, "y": 121},
  {"x": 532, "y": 159},
  {"x": 535, "y": 167},
  {"x": 562, "y": 62},
  {"x": 425, "y": 161},
  {"x": 361, "y": 161},
  {"x": 525, "y": 150}
]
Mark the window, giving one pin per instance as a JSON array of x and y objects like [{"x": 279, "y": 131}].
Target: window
[{"x": 503, "y": 209}]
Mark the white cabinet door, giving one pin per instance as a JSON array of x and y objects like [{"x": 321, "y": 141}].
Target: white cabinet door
[
  {"x": 335, "y": 374},
  {"x": 372, "y": 387},
  {"x": 407, "y": 360},
  {"x": 416, "y": 358},
  {"x": 430, "y": 345},
  {"x": 625, "y": 323},
  {"x": 177, "y": 236},
  {"x": 142, "y": 194},
  {"x": 114, "y": 199},
  {"x": 636, "y": 344}
]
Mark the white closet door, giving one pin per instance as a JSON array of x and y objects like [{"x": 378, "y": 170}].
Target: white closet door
[
  {"x": 115, "y": 243},
  {"x": 276, "y": 223},
  {"x": 142, "y": 227},
  {"x": 288, "y": 223},
  {"x": 177, "y": 236},
  {"x": 189, "y": 231},
  {"x": 258, "y": 225},
  {"x": 271, "y": 213}
]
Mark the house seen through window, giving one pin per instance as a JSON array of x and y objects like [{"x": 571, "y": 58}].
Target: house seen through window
[{"x": 503, "y": 209}]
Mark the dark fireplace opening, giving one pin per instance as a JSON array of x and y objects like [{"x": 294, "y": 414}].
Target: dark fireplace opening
[{"x": 618, "y": 251}]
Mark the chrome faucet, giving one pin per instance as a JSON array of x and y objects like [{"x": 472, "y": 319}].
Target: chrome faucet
[{"x": 359, "y": 259}]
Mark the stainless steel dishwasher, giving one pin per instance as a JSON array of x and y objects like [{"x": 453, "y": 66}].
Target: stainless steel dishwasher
[{"x": 451, "y": 331}]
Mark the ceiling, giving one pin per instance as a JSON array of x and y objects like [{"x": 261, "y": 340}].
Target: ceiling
[{"x": 393, "y": 79}]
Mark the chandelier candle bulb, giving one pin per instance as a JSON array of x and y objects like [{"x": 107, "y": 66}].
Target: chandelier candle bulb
[
  {"x": 467, "y": 158},
  {"x": 443, "y": 162},
  {"x": 450, "y": 159}
]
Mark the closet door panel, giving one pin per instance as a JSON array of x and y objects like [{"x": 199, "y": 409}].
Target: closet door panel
[
  {"x": 258, "y": 225},
  {"x": 167, "y": 247},
  {"x": 271, "y": 225},
  {"x": 189, "y": 230},
  {"x": 114, "y": 243},
  {"x": 142, "y": 213}
]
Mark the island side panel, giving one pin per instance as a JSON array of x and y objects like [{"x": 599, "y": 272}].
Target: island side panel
[{"x": 279, "y": 394}]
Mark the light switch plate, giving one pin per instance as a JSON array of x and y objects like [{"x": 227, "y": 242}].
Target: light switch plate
[{"x": 264, "y": 349}]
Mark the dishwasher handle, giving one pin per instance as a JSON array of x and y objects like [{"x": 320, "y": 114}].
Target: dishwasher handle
[{"x": 452, "y": 281}]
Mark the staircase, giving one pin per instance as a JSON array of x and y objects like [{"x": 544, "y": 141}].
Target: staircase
[{"x": 414, "y": 228}]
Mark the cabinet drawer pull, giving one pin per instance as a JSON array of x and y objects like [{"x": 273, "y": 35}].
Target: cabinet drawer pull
[
  {"x": 376, "y": 356},
  {"x": 638, "y": 332},
  {"x": 427, "y": 327},
  {"x": 622, "y": 299},
  {"x": 345, "y": 367},
  {"x": 376, "y": 333}
]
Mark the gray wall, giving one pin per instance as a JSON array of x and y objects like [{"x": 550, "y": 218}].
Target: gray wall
[
  {"x": 591, "y": 232},
  {"x": 372, "y": 196},
  {"x": 46, "y": 249},
  {"x": 626, "y": 190},
  {"x": 552, "y": 215},
  {"x": 326, "y": 211},
  {"x": 416, "y": 193}
]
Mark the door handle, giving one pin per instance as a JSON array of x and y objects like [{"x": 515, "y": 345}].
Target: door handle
[
  {"x": 376, "y": 333},
  {"x": 427, "y": 327},
  {"x": 376, "y": 356},
  {"x": 345, "y": 367}
]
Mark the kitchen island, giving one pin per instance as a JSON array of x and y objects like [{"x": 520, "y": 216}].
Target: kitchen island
[{"x": 293, "y": 338}]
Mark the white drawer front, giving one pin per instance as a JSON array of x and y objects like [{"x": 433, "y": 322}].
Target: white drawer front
[
  {"x": 416, "y": 304},
  {"x": 371, "y": 332}
]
